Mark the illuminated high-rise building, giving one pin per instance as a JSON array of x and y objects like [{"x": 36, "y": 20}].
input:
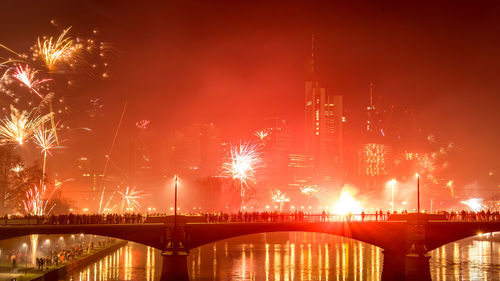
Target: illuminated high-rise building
[
  {"x": 323, "y": 131},
  {"x": 375, "y": 154}
]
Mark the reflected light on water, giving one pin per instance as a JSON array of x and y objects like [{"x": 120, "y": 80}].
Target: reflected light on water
[{"x": 293, "y": 256}]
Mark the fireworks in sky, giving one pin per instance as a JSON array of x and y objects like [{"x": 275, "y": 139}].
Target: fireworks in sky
[
  {"x": 35, "y": 203},
  {"x": 262, "y": 134},
  {"x": 54, "y": 51},
  {"x": 242, "y": 162},
  {"x": 20, "y": 126},
  {"x": 279, "y": 197},
  {"x": 143, "y": 124},
  {"x": 17, "y": 168},
  {"x": 475, "y": 204},
  {"x": 130, "y": 199},
  {"x": 27, "y": 76},
  {"x": 311, "y": 190},
  {"x": 45, "y": 139}
]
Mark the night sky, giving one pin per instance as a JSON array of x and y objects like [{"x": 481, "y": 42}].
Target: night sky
[{"x": 234, "y": 63}]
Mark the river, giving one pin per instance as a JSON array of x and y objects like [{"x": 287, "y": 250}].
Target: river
[{"x": 293, "y": 256}]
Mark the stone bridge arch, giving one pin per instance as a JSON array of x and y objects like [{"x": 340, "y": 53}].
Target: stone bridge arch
[
  {"x": 381, "y": 234},
  {"x": 149, "y": 235},
  {"x": 439, "y": 234}
]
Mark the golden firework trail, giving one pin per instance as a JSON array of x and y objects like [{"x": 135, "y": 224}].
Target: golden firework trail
[
  {"x": 34, "y": 203},
  {"x": 19, "y": 126},
  {"x": 45, "y": 139},
  {"x": 53, "y": 51}
]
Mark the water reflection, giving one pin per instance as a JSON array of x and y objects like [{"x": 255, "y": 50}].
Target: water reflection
[
  {"x": 293, "y": 256},
  {"x": 467, "y": 260}
]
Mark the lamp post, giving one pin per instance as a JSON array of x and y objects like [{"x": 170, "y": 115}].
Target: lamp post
[
  {"x": 26, "y": 258},
  {"x": 393, "y": 181},
  {"x": 175, "y": 202},
  {"x": 418, "y": 193}
]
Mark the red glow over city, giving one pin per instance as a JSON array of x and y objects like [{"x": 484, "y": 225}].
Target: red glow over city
[{"x": 249, "y": 112}]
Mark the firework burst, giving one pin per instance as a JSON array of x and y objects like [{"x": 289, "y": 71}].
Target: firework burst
[
  {"x": 53, "y": 51},
  {"x": 475, "y": 204},
  {"x": 241, "y": 165},
  {"x": 311, "y": 190},
  {"x": 17, "y": 168},
  {"x": 20, "y": 126},
  {"x": 243, "y": 161},
  {"x": 262, "y": 134},
  {"x": 27, "y": 76},
  {"x": 45, "y": 139},
  {"x": 130, "y": 199},
  {"x": 34, "y": 202}
]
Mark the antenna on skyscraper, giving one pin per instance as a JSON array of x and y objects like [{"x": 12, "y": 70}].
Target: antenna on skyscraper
[
  {"x": 310, "y": 67},
  {"x": 371, "y": 95},
  {"x": 312, "y": 53}
]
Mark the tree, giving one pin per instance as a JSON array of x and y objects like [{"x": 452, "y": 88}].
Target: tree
[{"x": 10, "y": 162}]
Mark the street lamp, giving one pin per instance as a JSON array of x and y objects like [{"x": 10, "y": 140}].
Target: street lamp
[
  {"x": 26, "y": 258},
  {"x": 418, "y": 193},
  {"x": 175, "y": 203},
  {"x": 393, "y": 182}
]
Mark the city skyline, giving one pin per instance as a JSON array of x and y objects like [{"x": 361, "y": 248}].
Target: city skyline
[{"x": 174, "y": 76}]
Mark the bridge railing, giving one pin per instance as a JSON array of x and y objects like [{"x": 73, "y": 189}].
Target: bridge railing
[
  {"x": 270, "y": 217},
  {"x": 222, "y": 218}
]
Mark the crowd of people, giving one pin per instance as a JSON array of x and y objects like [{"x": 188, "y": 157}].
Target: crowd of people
[
  {"x": 81, "y": 219},
  {"x": 472, "y": 216},
  {"x": 265, "y": 216},
  {"x": 59, "y": 256}
]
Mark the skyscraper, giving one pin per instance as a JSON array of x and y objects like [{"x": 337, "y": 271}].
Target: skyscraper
[
  {"x": 375, "y": 154},
  {"x": 276, "y": 145},
  {"x": 324, "y": 136},
  {"x": 194, "y": 152}
]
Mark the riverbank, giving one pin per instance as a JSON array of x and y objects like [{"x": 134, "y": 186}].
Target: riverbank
[{"x": 60, "y": 271}]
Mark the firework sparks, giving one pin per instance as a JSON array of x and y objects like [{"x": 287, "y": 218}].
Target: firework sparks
[
  {"x": 20, "y": 126},
  {"x": 45, "y": 139},
  {"x": 27, "y": 76},
  {"x": 241, "y": 165},
  {"x": 143, "y": 124},
  {"x": 130, "y": 199},
  {"x": 279, "y": 197},
  {"x": 17, "y": 169},
  {"x": 475, "y": 204},
  {"x": 35, "y": 203},
  {"x": 262, "y": 134},
  {"x": 54, "y": 51},
  {"x": 311, "y": 190},
  {"x": 106, "y": 209}
]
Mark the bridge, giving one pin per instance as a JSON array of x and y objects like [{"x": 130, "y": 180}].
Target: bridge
[{"x": 405, "y": 240}]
